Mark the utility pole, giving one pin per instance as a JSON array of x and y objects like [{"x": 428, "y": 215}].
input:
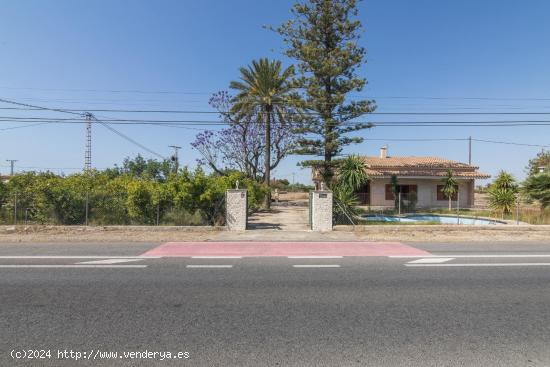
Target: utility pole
[
  {"x": 293, "y": 174},
  {"x": 175, "y": 156},
  {"x": 88, "y": 150},
  {"x": 470, "y": 150},
  {"x": 12, "y": 163}
]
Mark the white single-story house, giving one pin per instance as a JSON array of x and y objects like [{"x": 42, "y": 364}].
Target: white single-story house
[{"x": 420, "y": 175}]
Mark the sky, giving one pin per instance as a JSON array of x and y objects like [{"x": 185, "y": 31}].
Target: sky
[{"x": 422, "y": 56}]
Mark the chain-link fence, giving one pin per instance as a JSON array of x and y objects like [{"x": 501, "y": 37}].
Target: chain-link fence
[
  {"x": 343, "y": 214},
  {"x": 88, "y": 208},
  {"x": 520, "y": 214}
]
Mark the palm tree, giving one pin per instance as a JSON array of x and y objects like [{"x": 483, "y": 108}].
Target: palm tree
[
  {"x": 450, "y": 186},
  {"x": 264, "y": 90},
  {"x": 502, "y": 193},
  {"x": 353, "y": 172},
  {"x": 352, "y": 175}
]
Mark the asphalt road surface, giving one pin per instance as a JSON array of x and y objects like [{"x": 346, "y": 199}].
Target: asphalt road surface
[{"x": 460, "y": 305}]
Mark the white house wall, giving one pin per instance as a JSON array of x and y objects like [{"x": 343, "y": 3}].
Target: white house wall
[{"x": 427, "y": 192}]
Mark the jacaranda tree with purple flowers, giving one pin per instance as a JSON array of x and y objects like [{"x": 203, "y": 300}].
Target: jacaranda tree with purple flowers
[{"x": 241, "y": 145}]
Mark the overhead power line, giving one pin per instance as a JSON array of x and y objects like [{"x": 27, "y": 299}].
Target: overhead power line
[
  {"x": 87, "y": 115},
  {"x": 193, "y": 122},
  {"x": 38, "y": 107},
  {"x": 362, "y": 95},
  {"x": 366, "y": 139},
  {"x": 457, "y": 139},
  {"x": 223, "y": 122},
  {"x": 510, "y": 143},
  {"x": 127, "y": 138},
  {"x": 24, "y": 126},
  {"x": 174, "y": 111}
]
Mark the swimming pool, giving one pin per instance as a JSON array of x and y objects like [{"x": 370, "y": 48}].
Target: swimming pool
[{"x": 443, "y": 219}]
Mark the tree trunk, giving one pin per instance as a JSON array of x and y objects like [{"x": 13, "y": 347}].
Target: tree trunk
[
  {"x": 329, "y": 139},
  {"x": 450, "y": 205},
  {"x": 267, "y": 154}
]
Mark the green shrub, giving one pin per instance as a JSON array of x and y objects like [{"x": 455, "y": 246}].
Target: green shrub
[{"x": 186, "y": 198}]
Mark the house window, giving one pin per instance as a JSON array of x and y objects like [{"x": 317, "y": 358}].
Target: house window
[
  {"x": 405, "y": 190},
  {"x": 441, "y": 196}
]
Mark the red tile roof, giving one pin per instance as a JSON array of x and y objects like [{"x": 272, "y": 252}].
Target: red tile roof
[
  {"x": 420, "y": 166},
  {"x": 416, "y": 167}
]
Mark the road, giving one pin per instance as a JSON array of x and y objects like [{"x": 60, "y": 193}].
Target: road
[{"x": 449, "y": 305}]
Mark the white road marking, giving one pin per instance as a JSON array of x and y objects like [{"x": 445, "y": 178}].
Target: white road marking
[
  {"x": 209, "y": 266},
  {"x": 216, "y": 257},
  {"x": 471, "y": 256},
  {"x": 314, "y": 257},
  {"x": 478, "y": 265},
  {"x": 74, "y": 266},
  {"x": 316, "y": 266},
  {"x": 80, "y": 257},
  {"x": 431, "y": 260},
  {"x": 108, "y": 261}
]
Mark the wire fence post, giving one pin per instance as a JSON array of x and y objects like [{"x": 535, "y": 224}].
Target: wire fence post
[
  {"x": 87, "y": 206},
  {"x": 399, "y": 205},
  {"x": 457, "y": 207},
  {"x": 26, "y": 215},
  {"x": 15, "y": 209},
  {"x": 158, "y": 213},
  {"x": 517, "y": 211}
]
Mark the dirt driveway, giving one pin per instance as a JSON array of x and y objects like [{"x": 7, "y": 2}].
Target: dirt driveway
[{"x": 288, "y": 216}]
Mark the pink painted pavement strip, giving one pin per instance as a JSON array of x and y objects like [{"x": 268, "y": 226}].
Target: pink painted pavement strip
[{"x": 267, "y": 249}]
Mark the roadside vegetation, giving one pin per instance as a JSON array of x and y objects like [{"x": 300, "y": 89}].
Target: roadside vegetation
[
  {"x": 450, "y": 186},
  {"x": 140, "y": 192},
  {"x": 351, "y": 175},
  {"x": 503, "y": 194}
]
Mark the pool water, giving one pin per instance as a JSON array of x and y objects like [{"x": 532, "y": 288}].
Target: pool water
[{"x": 443, "y": 219}]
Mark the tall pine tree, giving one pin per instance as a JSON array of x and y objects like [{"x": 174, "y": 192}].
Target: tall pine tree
[{"x": 323, "y": 37}]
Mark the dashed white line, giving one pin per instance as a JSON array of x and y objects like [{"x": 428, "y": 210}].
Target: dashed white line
[
  {"x": 208, "y": 266},
  {"x": 314, "y": 257},
  {"x": 431, "y": 260},
  {"x": 216, "y": 257},
  {"x": 316, "y": 266},
  {"x": 108, "y": 261}
]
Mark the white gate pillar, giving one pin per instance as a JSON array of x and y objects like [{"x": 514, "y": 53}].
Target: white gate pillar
[
  {"x": 321, "y": 211},
  {"x": 236, "y": 209}
]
